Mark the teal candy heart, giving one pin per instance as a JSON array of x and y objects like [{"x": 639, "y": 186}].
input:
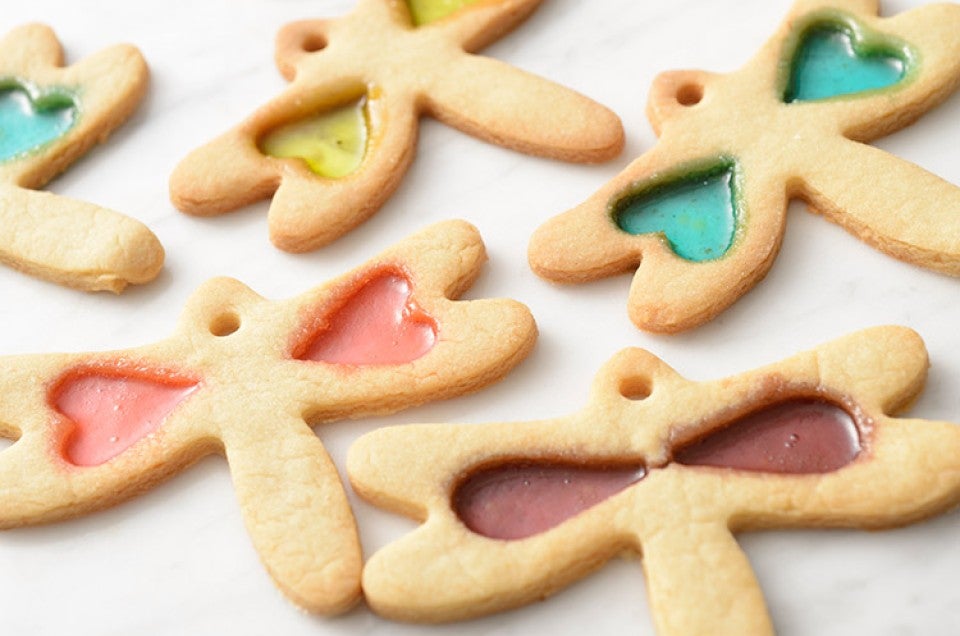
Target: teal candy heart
[
  {"x": 27, "y": 124},
  {"x": 696, "y": 213},
  {"x": 830, "y": 61}
]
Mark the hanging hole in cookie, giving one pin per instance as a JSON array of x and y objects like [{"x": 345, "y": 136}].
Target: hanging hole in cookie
[
  {"x": 313, "y": 42},
  {"x": 7, "y": 439},
  {"x": 690, "y": 94},
  {"x": 225, "y": 324},
  {"x": 636, "y": 388}
]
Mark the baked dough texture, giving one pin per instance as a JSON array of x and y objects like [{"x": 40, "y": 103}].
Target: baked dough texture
[
  {"x": 679, "y": 518},
  {"x": 811, "y": 150},
  {"x": 403, "y": 72},
  {"x": 71, "y": 242},
  {"x": 254, "y": 400}
]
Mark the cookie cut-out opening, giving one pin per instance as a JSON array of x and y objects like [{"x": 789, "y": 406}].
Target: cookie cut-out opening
[
  {"x": 106, "y": 409},
  {"x": 424, "y": 12},
  {"x": 834, "y": 56},
  {"x": 695, "y": 209},
  {"x": 332, "y": 142},
  {"x": 520, "y": 499},
  {"x": 636, "y": 388},
  {"x": 313, "y": 42},
  {"x": 689, "y": 94},
  {"x": 31, "y": 118},
  {"x": 7, "y": 439},
  {"x": 796, "y": 436},
  {"x": 374, "y": 320},
  {"x": 225, "y": 324}
]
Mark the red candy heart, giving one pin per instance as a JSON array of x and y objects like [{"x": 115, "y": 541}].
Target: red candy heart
[
  {"x": 111, "y": 413},
  {"x": 377, "y": 323}
]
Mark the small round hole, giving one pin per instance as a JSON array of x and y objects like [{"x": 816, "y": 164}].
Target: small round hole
[
  {"x": 690, "y": 94},
  {"x": 225, "y": 324},
  {"x": 313, "y": 43},
  {"x": 636, "y": 388},
  {"x": 8, "y": 437}
]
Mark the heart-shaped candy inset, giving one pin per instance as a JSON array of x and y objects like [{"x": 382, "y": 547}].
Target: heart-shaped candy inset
[
  {"x": 515, "y": 501},
  {"x": 427, "y": 11},
  {"x": 833, "y": 60},
  {"x": 332, "y": 143},
  {"x": 26, "y": 125},
  {"x": 377, "y": 323},
  {"x": 794, "y": 437},
  {"x": 110, "y": 413},
  {"x": 696, "y": 213}
]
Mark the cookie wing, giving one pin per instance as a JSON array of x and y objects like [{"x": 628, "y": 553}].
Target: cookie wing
[{"x": 669, "y": 293}]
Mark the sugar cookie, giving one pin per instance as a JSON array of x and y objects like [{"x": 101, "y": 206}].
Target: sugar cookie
[
  {"x": 663, "y": 466},
  {"x": 703, "y": 212},
  {"x": 248, "y": 377},
  {"x": 50, "y": 115},
  {"x": 334, "y": 146}
]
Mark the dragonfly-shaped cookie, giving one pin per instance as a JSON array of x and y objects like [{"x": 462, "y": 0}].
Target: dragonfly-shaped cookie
[
  {"x": 662, "y": 466},
  {"x": 703, "y": 212},
  {"x": 50, "y": 115},
  {"x": 248, "y": 377},
  {"x": 333, "y": 147}
]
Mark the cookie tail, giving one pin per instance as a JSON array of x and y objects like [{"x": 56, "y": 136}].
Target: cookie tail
[
  {"x": 297, "y": 514},
  {"x": 708, "y": 588},
  {"x": 75, "y": 243}
]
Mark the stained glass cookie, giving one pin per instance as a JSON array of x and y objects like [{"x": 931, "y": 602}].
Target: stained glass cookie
[
  {"x": 703, "y": 213},
  {"x": 248, "y": 377},
  {"x": 334, "y": 146},
  {"x": 661, "y": 466}
]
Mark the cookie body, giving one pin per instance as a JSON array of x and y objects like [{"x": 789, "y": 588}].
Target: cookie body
[
  {"x": 661, "y": 466},
  {"x": 50, "y": 115},
  {"x": 248, "y": 377},
  {"x": 334, "y": 146},
  {"x": 702, "y": 214}
]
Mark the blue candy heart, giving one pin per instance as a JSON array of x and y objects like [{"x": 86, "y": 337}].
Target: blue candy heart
[
  {"x": 833, "y": 60},
  {"x": 27, "y": 124},
  {"x": 696, "y": 213}
]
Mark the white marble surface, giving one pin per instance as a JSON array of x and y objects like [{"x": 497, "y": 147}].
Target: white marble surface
[{"x": 177, "y": 560}]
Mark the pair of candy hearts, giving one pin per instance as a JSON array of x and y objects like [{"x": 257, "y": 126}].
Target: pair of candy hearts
[
  {"x": 697, "y": 214},
  {"x": 519, "y": 500},
  {"x": 377, "y": 324}
]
